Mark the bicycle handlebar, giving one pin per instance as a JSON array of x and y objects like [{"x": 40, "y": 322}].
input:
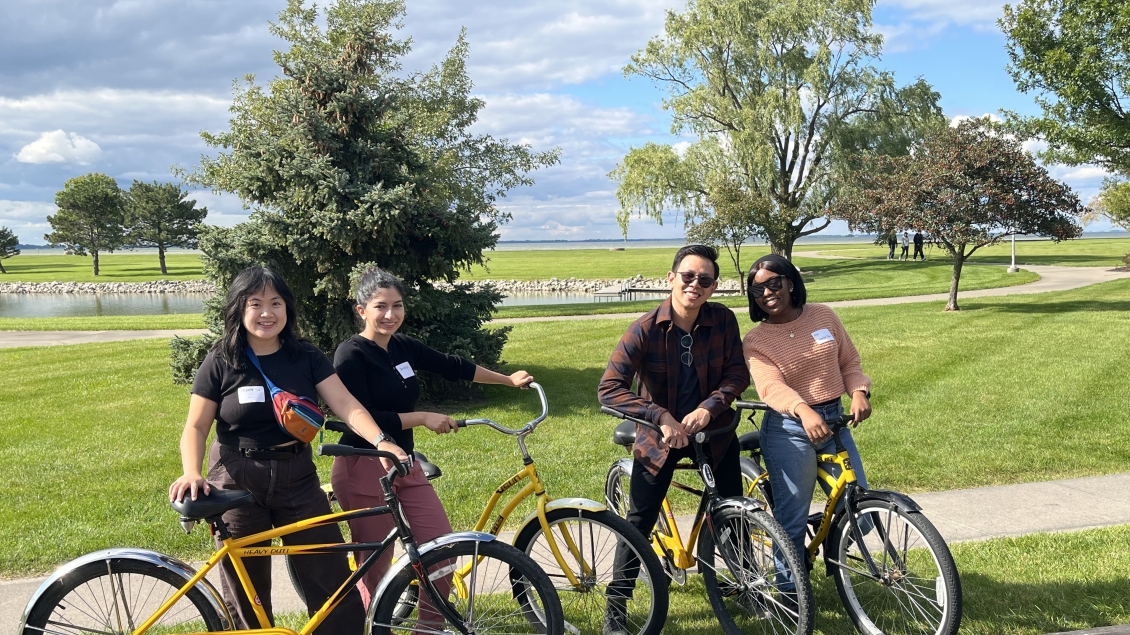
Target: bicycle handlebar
[
  {"x": 702, "y": 436},
  {"x": 337, "y": 449},
  {"x": 524, "y": 430}
]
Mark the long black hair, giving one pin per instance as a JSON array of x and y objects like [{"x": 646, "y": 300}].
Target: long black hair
[
  {"x": 777, "y": 264},
  {"x": 246, "y": 284}
]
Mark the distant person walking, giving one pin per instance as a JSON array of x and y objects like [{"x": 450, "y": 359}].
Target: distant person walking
[
  {"x": 892, "y": 240},
  {"x": 905, "y": 255},
  {"x": 918, "y": 240}
]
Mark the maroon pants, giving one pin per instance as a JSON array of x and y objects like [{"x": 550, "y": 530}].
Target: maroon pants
[
  {"x": 356, "y": 482},
  {"x": 285, "y": 492}
]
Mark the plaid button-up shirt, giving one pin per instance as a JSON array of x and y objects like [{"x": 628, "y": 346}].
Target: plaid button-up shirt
[{"x": 650, "y": 350}]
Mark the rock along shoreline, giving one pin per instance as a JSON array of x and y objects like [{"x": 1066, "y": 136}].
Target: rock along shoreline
[{"x": 204, "y": 287}]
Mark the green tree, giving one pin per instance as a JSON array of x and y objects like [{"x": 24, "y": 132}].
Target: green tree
[
  {"x": 771, "y": 89},
  {"x": 346, "y": 162},
  {"x": 1075, "y": 55},
  {"x": 966, "y": 187},
  {"x": 90, "y": 216},
  {"x": 732, "y": 223},
  {"x": 8, "y": 246},
  {"x": 161, "y": 215}
]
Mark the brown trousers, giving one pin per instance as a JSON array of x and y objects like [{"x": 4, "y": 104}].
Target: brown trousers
[{"x": 285, "y": 492}]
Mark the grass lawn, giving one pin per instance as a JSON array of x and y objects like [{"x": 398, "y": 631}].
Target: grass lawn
[
  {"x": 1008, "y": 390},
  {"x": 1092, "y": 252},
  {"x": 826, "y": 281},
  {"x": 116, "y": 267},
  {"x": 106, "y": 323}
]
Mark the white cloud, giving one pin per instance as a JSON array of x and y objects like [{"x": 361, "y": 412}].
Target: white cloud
[
  {"x": 27, "y": 219},
  {"x": 60, "y": 147},
  {"x": 993, "y": 117},
  {"x": 1085, "y": 173},
  {"x": 907, "y": 36}
]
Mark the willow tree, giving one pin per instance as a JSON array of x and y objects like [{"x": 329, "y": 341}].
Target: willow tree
[
  {"x": 967, "y": 186},
  {"x": 770, "y": 89},
  {"x": 346, "y": 161}
]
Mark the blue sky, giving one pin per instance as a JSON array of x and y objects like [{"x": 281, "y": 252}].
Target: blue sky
[{"x": 124, "y": 87}]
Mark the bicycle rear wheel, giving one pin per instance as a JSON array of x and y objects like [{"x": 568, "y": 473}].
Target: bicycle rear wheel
[
  {"x": 754, "y": 484},
  {"x": 617, "y": 485},
  {"x": 494, "y": 588},
  {"x": 748, "y": 565},
  {"x": 595, "y": 536},
  {"x": 916, "y": 588},
  {"x": 117, "y": 595}
]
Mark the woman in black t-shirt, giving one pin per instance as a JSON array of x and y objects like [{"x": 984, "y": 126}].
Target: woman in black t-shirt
[
  {"x": 379, "y": 367},
  {"x": 252, "y": 452}
]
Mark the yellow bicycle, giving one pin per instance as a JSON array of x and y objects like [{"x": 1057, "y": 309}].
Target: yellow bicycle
[
  {"x": 135, "y": 591},
  {"x": 893, "y": 571},
  {"x": 753, "y": 575}
]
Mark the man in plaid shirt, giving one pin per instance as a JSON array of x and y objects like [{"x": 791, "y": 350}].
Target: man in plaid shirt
[{"x": 687, "y": 355}]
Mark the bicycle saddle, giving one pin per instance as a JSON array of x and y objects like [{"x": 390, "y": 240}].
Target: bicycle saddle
[
  {"x": 431, "y": 470},
  {"x": 625, "y": 434},
  {"x": 213, "y": 504},
  {"x": 750, "y": 441}
]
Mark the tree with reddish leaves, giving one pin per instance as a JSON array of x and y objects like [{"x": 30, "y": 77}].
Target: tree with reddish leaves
[{"x": 966, "y": 187}]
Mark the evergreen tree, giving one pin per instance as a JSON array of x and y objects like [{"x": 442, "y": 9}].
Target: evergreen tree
[
  {"x": 8, "y": 246},
  {"x": 346, "y": 163}
]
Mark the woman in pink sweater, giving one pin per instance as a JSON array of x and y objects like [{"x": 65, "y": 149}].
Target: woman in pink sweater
[{"x": 801, "y": 361}]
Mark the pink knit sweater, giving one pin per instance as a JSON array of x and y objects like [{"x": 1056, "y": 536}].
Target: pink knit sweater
[{"x": 809, "y": 360}]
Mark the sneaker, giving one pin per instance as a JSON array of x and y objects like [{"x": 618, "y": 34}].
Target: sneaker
[{"x": 615, "y": 619}]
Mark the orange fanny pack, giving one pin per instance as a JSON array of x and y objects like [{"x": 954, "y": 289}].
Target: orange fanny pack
[{"x": 299, "y": 417}]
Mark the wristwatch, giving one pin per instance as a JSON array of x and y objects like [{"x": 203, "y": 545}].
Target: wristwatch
[{"x": 381, "y": 437}]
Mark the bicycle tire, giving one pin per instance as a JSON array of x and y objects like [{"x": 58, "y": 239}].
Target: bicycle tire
[
  {"x": 617, "y": 484},
  {"x": 596, "y": 534},
  {"x": 753, "y": 600},
  {"x": 753, "y": 485},
  {"x": 116, "y": 595},
  {"x": 514, "y": 584},
  {"x": 897, "y": 604}
]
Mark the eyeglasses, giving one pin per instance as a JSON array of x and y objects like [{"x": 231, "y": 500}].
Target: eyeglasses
[
  {"x": 686, "y": 342},
  {"x": 773, "y": 284},
  {"x": 704, "y": 279}
]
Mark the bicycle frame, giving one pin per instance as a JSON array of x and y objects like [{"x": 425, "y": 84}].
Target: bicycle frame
[{"x": 672, "y": 543}]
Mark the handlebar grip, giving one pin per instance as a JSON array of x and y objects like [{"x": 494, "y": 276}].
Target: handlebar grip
[
  {"x": 334, "y": 425},
  {"x": 337, "y": 449},
  {"x": 613, "y": 413},
  {"x": 751, "y": 405},
  {"x": 460, "y": 423}
]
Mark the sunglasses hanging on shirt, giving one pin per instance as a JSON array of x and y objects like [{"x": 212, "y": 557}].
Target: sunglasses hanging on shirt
[{"x": 685, "y": 343}]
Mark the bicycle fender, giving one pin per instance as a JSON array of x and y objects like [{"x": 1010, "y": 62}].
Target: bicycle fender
[
  {"x": 401, "y": 563},
  {"x": 561, "y": 503},
  {"x": 739, "y": 502},
  {"x": 144, "y": 555}
]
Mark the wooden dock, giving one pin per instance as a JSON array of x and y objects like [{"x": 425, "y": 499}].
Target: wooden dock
[{"x": 624, "y": 292}]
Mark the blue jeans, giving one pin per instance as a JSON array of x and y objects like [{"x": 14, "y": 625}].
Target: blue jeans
[{"x": 790, "y": 460}]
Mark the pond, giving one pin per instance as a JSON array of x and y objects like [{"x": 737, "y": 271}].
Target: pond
[{"x": 16, "y": 305}]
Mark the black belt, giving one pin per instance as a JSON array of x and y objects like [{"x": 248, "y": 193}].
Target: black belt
[{"x": 284, "y": 453}]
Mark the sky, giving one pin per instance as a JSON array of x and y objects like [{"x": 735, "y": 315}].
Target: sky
[{"x": 125, "y": 87}]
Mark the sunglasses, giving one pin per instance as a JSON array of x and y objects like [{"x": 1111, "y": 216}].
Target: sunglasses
[
  {"x": 685, "y": 342},
  {"x": 704, "y": 279},
  {"x": 773, "y": 284}
]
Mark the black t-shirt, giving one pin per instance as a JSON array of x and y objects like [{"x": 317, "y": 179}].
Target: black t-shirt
[
  {"x": 370, "y": 373},
  {"x": 689, "y": 396},
  {"x": 246, "y": 416}
]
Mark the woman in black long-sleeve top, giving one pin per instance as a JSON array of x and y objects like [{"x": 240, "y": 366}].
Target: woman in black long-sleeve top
[{"x": 379, "y": 368}]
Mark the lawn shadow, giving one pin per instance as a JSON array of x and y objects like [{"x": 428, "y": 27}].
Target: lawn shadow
[
  {"x": 1040, "y": 308},
  {"x": 1005, "y": 607}
]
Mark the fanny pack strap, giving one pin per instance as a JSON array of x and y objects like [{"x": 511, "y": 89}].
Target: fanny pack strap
[{"x": 255, "y": 360}]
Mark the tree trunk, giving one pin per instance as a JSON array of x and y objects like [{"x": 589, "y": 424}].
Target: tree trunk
[
  {"x": 2, "y": 270},
  {"x": 783, "y": 247},
  {"x": 958, "y": 261},
  {"x": 736, "y": 258},
  {"x": 161, "y": 253},
  {"x": 94, "y": 252}
]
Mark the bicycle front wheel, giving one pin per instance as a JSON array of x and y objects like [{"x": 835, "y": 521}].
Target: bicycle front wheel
[
  {"x": 753, "y": 575},
  {"x": 913, "y": 585},
  {"x": 491, "y": 586},
  {"x": 588, "y": 541},
  {"x": 116, "y": 596}
]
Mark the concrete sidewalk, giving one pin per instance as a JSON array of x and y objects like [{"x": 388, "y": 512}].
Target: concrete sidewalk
[
  {"x": 960, "y": 515},
  {"x": 13, "y": 339}
]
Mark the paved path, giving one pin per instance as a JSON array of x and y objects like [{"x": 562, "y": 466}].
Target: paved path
[
  {"x": 11, "y": 339},
  {"x": 960, "y": 515}
]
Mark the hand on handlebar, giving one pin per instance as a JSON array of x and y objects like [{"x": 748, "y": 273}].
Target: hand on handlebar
[
  {"x": 696, "y": 420},
  {"x": 521, "y": 379},
  {"x": 440, "y": 424},
  {"x": 674, "y": 433},
  {"x": 389, "y": 446},
  {"x": 860, "y": 407},
  {"x": 814, "y": 426}
]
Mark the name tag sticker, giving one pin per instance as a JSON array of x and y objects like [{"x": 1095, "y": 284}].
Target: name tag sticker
[
  {"x": 822, "y": 336},
  {"x": 251, "y": 394},
  {"x": 405, "y": 370}
]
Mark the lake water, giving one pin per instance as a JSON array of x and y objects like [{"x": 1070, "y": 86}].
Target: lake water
[{"x": 14, "y": 305}]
